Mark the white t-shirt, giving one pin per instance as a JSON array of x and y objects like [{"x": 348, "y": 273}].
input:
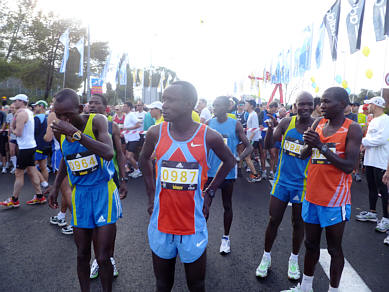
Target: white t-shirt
[
  {"x": 140, "y": 116},
  {"x": 252, "y": 122},
  {"x": 376, "y": 143},
  {"x": 130, "y": 121},
  {"x": 205, "y": 114}
]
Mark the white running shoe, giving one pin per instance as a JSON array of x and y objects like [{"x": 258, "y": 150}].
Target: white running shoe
[
  {"x": 264, "y": 267},
  {"x": 382, "y": 225},
  {"x": 366, "y": 216},
  {"x": 135, "y": 174},
  {"x": 386, "y": 240},
  {"x": 295, "y": 289},
  {"x": 68, "y": 230},
  {"x": 4, "y": 170},
  {"x": 12, "y": 171},
  {"x": 293, "y": 270},
  {"x": 115, "y": 269},
  {"x": 225, "y": 247},
  {"x": 94, "y": 270},
  {"x": 56, "y": 221}
]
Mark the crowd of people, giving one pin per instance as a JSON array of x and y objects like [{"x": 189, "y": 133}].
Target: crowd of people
[{"x": 187, "y": 149}]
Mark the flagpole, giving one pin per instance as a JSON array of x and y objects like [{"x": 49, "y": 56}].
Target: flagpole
[
  {"x": 88, "y": 68},
  {"x": 63, "y": 83}
]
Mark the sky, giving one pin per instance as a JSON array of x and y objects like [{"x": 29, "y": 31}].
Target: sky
[{"x": 213, "y": 44}]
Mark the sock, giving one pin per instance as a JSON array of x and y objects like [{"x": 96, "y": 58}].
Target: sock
[
  {"x": 331, "y": 289},
  {"x": 13, "y": 160},
  {"x": 14, "y": 199},
  {"x": 44, "y": 184},
  {"x": 294, "y": 257},
  {"x": 39, "y": 196},
  {"x": 306, "y": 284},
  {"x": 226, "y": 236},
  {"x": 267, "y": 254},
  {"x": 61, "y": 215}
]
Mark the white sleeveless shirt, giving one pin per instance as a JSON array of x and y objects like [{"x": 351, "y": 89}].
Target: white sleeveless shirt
[{"x": 27, "y": 140}]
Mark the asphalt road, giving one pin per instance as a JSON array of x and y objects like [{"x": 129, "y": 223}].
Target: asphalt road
[{"x": 35, "y": 256}]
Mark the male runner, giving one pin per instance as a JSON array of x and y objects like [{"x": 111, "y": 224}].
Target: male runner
[
  {"x": 3, "y": 139},
  {"x": 290, "y": 182},
  {"x": 253, "y": 135},
  {"x": 177, "y": 204},
  {"x": 232, "y": 132},
  {"x": 333, "y": 143},
  {"x": 87, "y": 153},
  {"x": 23, "y": 127},
  {"x": 241, "y": 116},
  {"x": 12, "y": 138}
]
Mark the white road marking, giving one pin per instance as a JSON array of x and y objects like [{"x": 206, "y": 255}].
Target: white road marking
[
  {"x": 271, "y": 181},
  {"x": 350, "y": 280}
]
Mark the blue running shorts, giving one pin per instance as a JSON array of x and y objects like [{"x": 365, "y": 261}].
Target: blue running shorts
[
  {"x": 166, "y": 246},
  {"x": 325, "y": 216},
  {"x": 95, "y": 206},
  {"x": 287, "y": 194},
  {"x": 40, "y": 156},
  {"x": 56, "y": 160}
]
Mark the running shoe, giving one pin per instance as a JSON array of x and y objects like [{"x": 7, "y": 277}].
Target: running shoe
[
  {"x": 4, "y": 170},
  {"x": 248, "y": 169},
  {"x": 252, "y": 178},
  {"x": 12, "y": 171},
  {"x": 386, "y": 240},
  {"x": 293, "y": 270},
  {"x": 36, "y": 200},
  {"x": 68, "y": 230},
  {"x": 56, "y": 221},
  {"x": 94, "y": 270},
  {"x": 358, "y": 177},
  {"x": 295, "y": 289},
  {"x": 135, "y": 174},
  {"x": 264, "y": 267},
  {"x": 225, "y": 247},
  {"x": 366, "y": 216},
  {"x": 270, "y": 176},
  {"x": 115, "y": 269},
  {"x": 382, "y": 225},
  {"x": 9, "y": 203},
  {"x": 264, "y": 175}
]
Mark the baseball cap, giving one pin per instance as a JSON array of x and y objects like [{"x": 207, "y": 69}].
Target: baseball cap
[
  {"x": 355, "y": 104},
  {"x": 41, "y": 102},
  {"x": 155, "y": 104},
  {"x": 21, "y": 97},
  {"x": 376, "y": 100}
]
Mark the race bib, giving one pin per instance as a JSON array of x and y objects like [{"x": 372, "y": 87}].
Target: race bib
[
  {"x": 225, "y": 139},
  {"x": 82, "y": 163},
  {"x": 179, "y": 176},
  {"x": 293, "y": 147},
  {"x": 318, "y": 158}
]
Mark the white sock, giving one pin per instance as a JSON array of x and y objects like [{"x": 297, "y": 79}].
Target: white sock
[
  {"x": 44, "y": 184},
  {"x": 294, "y": 257},
  {"x": 13, "y": 160},
  {"x": 61, "y": 215},
  {"x": 331, "y": 289},
  {"x": 306, "y": 283},
  {"x": 267, "y": 254}
]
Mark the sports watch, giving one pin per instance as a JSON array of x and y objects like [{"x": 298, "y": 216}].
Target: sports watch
[
  {"x": 324, "y": 148},
  {"x": 76, "y": 136},
  {"x": 211, "y": 192}
]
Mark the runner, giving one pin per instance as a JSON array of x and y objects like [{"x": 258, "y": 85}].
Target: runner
[
  {"x": 333, "y": 143},
  {"x": 232, "y": 132},
  {"x": 3, "y": 139},
  {"x": 23, "y": 127},
  {"x": 290, "y": 182},
  {"x": 98, "y": 104},
  {"x": 179, "y": 210},
  {"x": 12, "y": 138},
  {"x": 96, "y": 206}
]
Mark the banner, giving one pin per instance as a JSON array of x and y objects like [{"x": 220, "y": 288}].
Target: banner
[
  {"x": 80, "y": 48},
  {"x": 97, "y": 85},
  {"x": 123, "y": 72},
  {"x": 306, "y": 50},
  {"x": 286, "y": 67},
  {"x": 64, "y": 39},
  {"x": 331, "y": 23},
  {"x": 105, "y": 71},
  {"x": 354, "y": 22},
  {"x": 386, "y": 25},
  {"x": 319, "y": 47},
  {"x": 379, "y": 10}
]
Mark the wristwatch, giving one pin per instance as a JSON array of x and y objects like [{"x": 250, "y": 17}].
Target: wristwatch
[
  {"x": 237, "y": 158},
  {"x": 76, "y": 136},
  {"x": 324, "y": 148},
  {"x": 210, "y": 192}
]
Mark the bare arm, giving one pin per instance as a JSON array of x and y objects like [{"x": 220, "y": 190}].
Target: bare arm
[
  {"x": 272, "y": 135},
  {"x": 120, "y": 159},
  {"x": 307, "y": 150},
  {"x": 21, "y": 119},
  {"x": 242, "y": 137},
  {"x": 61, "y": 174},
  {"x": 48, "y": 137}
]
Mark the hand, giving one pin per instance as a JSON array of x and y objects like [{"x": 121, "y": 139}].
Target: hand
[
  {"x": 271, "y": 122},
  {"x": 207, "y": 205},
  {"x": 123, "y": 190},
  {"x": 150, "y": 208},
  {"x": 311, "y": 138},
  {"x": 385, "y": 178},
  {"x": 62, "y": 127},
  {"x": 362, "y": 148},
  {"x": 53, "y": 198}
]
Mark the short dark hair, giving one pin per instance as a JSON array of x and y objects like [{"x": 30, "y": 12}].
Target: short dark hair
[
  {"x": 273, "y": 104},
  {"x": 252, "y": 103},
  {"x": 355, "y": 104},
  {"x": 316, "y": 102},
  {"x": 189, "y": 91},
  {"x": 203, "y": 101},
  {"x": 339, "y": 93},
  {"x": 129, "y": 104},
  {"x": 225, "y": 99},
  {"x": 102, "y": 97},
  {"x": 67, "y": 94}
]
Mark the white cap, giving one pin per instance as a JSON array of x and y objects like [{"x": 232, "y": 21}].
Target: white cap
[
  {"x": 21, "y": 97},
  {"x": 156, "y": 104},
  {"x": 376, "y": 100}
]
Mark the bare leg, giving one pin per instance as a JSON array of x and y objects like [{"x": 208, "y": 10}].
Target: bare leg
[
  {"x": 312, "y": 247},
  {"x": 195, "y": 274},
  {"x": 276, "y": 212},
  {"x": 164, "y": 273},
  {"x": 19, "y": 182},
  {"x": 34, "y": 177},
  {"x": 83, "y": 239},
  {"x": 298, "y": 227}
]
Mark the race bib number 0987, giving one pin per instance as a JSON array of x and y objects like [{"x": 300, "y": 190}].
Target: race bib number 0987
[{"x": 179, "y": 176}]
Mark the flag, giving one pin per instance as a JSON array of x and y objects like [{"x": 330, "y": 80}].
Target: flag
[
  {"x": 354, "y": 22},
  {"x": 331, "y": 23},
  {"x": 379, "y": 10},
  {"x": 386, "y": 25},
  {"x": 64, "y": 39},
  {"x": 286, "y": 66},
  {"x": 296, "y": 62},
  {"x": 123, "y": 71},
  {"x": 306, "y": 50},
  {"x": 80, "y": 48},
  {"x": 105, "y": 71},
  {"x": 97, "y": 85},
  {"x": 319, "y": 47}
]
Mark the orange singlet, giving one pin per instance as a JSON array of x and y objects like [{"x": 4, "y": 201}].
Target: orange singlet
[{"x": 327, "y": 185}]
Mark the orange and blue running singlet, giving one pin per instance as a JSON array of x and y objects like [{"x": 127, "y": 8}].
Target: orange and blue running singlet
[{"x": 327, "y": 185}]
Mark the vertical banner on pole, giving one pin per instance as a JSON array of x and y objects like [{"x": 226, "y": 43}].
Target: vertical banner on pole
[
  {"x": 97, "y": 85},
  {"x": 331, "y": 23},
  {"x": 64, "y": 39},
  {"x": 354, "y": 22},
  {"x": 80, "y": 48}
]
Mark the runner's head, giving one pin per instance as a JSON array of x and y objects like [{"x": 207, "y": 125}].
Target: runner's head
[
  {"x": 67, "y": 106},
  {"x": 250, "y": 105},
  {"x": 127, "y": 107},
  {"x": 273, "y": 107},
  {"x": 221, "y": 106},
  {"x": 98, "y": 104},
  {"x": 333, "y": 102},
  {"x": 40, "y": 107},
  {"x": 179, "y": 100},
  {"x": 304, "y": 103}
]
